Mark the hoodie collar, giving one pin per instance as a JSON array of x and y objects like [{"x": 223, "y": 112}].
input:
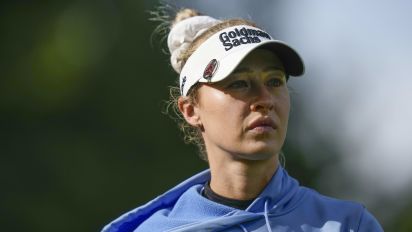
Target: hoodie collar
[{"x": 279, "y": 196}]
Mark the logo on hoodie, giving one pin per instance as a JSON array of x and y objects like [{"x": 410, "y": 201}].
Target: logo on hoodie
[{"x": 241, "y": 36}]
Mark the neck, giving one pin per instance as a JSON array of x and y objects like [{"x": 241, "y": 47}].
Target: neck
[{"x": 241, "y": 179}]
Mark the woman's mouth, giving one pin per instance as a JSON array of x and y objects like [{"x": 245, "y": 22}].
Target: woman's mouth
[{"x": 262, "y": 125}]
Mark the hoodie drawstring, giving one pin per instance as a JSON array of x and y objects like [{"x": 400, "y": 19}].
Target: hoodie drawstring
[
  {"x": 243, "y": 228},
  {"x": 267, "y": 216}
]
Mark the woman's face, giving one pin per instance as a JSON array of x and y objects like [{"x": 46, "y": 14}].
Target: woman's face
[{"x": 246, "y": 114}]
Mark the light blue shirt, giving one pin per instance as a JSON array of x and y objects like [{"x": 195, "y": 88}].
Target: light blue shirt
[{"x": 283, "y": 206}]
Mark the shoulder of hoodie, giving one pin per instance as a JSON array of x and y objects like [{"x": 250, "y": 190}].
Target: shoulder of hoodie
[
  {"x": 332, "y": 202},
  {"x": 349, "y": 210}
]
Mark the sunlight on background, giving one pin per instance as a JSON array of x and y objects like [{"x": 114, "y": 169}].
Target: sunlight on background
[{"x": 359, "y": 59}]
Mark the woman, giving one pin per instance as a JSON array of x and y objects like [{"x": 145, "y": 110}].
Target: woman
[{"x": 235, "y": 105}]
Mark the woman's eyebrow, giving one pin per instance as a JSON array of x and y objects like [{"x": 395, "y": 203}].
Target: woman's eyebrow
[
  {"x": 245, "y": 70},
  {"x": 241, "y": 70},
  {"x": 271, "y": 68}
]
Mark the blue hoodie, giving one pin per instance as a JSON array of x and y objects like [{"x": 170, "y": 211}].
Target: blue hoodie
[{"x": 283, "y": 206}]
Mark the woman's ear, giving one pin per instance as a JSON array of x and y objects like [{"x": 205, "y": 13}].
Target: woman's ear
[{"x": 189, "y": 111}]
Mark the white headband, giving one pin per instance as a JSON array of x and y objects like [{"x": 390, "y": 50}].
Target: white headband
[
  {"x": 183, "y": 34},
  {"x": 220, "y": 54}
]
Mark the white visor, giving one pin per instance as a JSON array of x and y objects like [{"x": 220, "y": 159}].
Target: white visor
[{"x": 217, "y": 57}]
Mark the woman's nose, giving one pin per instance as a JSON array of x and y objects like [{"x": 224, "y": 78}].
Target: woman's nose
[{"x": 262, "y": 99}]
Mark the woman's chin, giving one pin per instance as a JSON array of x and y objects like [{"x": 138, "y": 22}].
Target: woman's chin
[{"x": 258, "y": 153}]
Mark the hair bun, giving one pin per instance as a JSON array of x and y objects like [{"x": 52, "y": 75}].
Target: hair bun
[
  {"x": 184, "y": 14},
  {"x": 186, "y": 27}
]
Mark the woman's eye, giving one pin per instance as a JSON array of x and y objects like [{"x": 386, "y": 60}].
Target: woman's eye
[
  {"x": 238, "y": 84},
  {"x": 275, "y": 82}
]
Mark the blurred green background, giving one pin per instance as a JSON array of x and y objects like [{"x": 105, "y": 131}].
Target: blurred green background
[{"x": 83, "y": 138}]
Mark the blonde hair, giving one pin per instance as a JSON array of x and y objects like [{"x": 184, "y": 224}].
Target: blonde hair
[{"x": 193, "y": 134}]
